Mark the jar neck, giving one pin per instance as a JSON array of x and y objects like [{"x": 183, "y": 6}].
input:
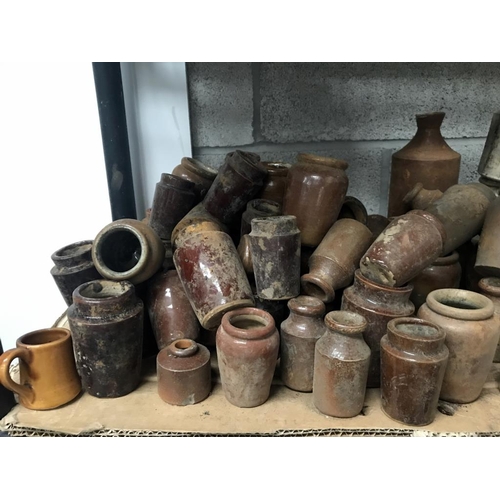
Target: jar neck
[
  {"x": 199, "y": 168},
  {"x": 175, "y": 182},
  {"x": 248, "y": 323},
  {"x": 414, "y": 335},
  {"x": 73, "y": 255},
  {"x": 374, "y": 292},
  {"x": 490, "y": 286},
  {"x": 325, "y": 161},
  {"x": 263, "y": 208},
  {"x": 460, "y": 304}
]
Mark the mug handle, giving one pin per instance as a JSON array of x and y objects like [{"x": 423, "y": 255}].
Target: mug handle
[{"x": 25, "y": 391}]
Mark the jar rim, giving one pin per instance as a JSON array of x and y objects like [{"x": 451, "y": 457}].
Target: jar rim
[
  {"x": 248, "y": 313},
  {"x": 460, "y": 304},
  {"x": 346, "y": 322},
  {"x": 434, "y": 332}
]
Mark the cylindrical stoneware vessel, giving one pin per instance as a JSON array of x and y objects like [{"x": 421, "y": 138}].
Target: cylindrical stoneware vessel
[
  {"x": 341, "y": 365},
  {"x": 413, "y": 360},
  {"x": 488, "y": 250},
  {"x": 490, "y": 287},
  {"x": 472, "y": 334},
  {"x": 275, "y": 185},
  {"x": 258, "y": 208},
  {"x": 420, "y": 198},
  {"x": 353, "y": 208},
  {"x": 247, "y": 351},
  {"x": 198, "y": 173}
]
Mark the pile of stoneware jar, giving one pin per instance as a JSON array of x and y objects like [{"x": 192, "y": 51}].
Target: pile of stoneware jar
[{"x": 260, "y": 271}]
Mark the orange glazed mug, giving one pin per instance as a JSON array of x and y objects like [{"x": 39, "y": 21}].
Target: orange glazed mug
[{"x": 47, "y": 369}]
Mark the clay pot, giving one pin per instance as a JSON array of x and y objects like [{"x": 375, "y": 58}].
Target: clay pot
[
  {"x": 490, "y": 287},
  {"x": 341, "y": 365},
  {"x": 404, "y": 249},
  {"x": 275, "y": 185},
  {"x": 258, "y": 209},
  {"x": 426, "y": 159},
  {"x": 247, "y": 351},
  {"x": 413, "y": 361},
  {"x": 333, "y": 263},
  {"x": 198, "y": 173},
  {"x": 419, "y": 198},
  {"x": 73, "y": 266},
  {"x": 106, "y": 320},
  {"x": 472, "y": 333},
  {"x": 7, "y": 401},
  {"x": 127, "y": 250},
  {"x": 184, "y": 375},
  {"x": 299, "y": 333},
  {"x": 378, "y": 304},
  {"x": 445, "y": 272},
  {"x": 315, "y": 193},
  {"x": 212, "y": 276},
  {"x": 376, "y": 223},
  {"x": 488, "y": 251},
  {"x": 353, "y": 208}
]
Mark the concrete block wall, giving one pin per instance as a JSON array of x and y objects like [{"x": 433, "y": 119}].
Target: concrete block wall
[{"x": 360, "y": 112}]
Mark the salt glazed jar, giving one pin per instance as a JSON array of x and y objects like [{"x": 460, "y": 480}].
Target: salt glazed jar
[
  {"x": 275, "y": 185},
  {"x": 198, "y": 173},
  {"x": 299, "y": 334},
  {"x": 106, "y": 322},
  {"x": 258, "y": 208},
  {"x": 413, "y": 359},
  {"x": 472, "y": 332},
  {"x": 247, "y": 344},
  {"x": 490, "y": 287},
  {"x": 378, "y": 304},
  {"x": 341, "y": 365},
  {"x": 488, "y": 250}
]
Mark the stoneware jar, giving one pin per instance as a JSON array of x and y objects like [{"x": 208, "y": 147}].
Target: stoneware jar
[
  {"x": 413, "y": 360},
  {"x": 247, "y": 345},
  {"x": 127, "y": 250},
  {"x": 315, "y": 193},
  {"x": 353, "y": 208},
  {"x": 420, "y": 198},
  {"x": 490, "y": 287},
  {"x": 198, "y": 173},
  {"x": 341, "y": 365},
  {"x": 106, "y": 319},
  {"x": 275, "y": 185},
  {"x": 299, "y": 333},
  {"x": 378, "y": 304},
  {"x": 472, "y": 334},
  {"x": 258, "y": 208},
  {"x": 488, "y": 250}
]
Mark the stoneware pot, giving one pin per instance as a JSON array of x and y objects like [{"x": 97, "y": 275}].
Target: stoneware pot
[
  {"x": 488, "y": 250},
  {"x": 352, "y": 208},
  {"x": 490, "y": 287},
  {"x": 258, "y": 208},
  {"x": 198, "y": 173},
  {"x": 275, "y": 185},
  {"x": 420, "y": 198}
]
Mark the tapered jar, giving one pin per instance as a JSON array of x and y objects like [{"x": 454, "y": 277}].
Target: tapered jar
[
  {"x": 299, "y": 334},
  {"x": 275, "y": 185},
  {"x": 378, "y": 304},
  {"x": 315, "y": 193},
  {"x": 247, "y": 344},
  {"x": 258, "y": 209},
  {"x": 488, "y": 250},
  {"x": 198, "y": 173},
  {"x": 490, "y": 287},
  {"x": 472, "y": 334},
  {"x": 413, "y": 359}
]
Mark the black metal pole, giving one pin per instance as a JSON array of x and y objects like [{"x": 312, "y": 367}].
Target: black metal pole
[{"x": 109, "y": 91}]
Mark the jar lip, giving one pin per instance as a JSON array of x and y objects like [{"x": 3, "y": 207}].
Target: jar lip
[
  {"x": 432, "y": 331},
  {"x": 326, "y": 161},
  {"x": 460, "y": 304},
  {"x": 176, "y": 182},
  {"x": 199, "y": 167},
  {"x": 264, "y": 207},
  {"x": 446, "y": 260},
  {"x": 401, "y": 290},
  {"x": 277, "y": 168},
  {"x": 306, "y": 305},
  {"x": 182, "y": 348},
  {"x": 69, "y": 252},
  {"x": 23, "y": 341},
  {"x": 248, "y": 313},
  {"x": 275, "y": 225},
  {"x": 490, "y": 285},
  {"x": 110, "y": 290},
  {"x": 346, "y": 322}
]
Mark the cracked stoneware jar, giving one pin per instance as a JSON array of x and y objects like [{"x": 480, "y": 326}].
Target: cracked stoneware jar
[
  {"x": 275, "y": 185},
  {"x": 490, "y": 287},
  {"x": 184, "y": 374},
  {"x": 198, "y": 173},
  {"x": 419, "y": 198},
  {"x": 413, "y": 359},
  {"x": 378, "y": 304},
  {"x": 341, "y": 365},
  {"x": 353, "y": 208},
  {"x": 299, "y": 334},
  {"x": 73, "y": 266},
  {"x": 258, "y": 209},
  {"x": 488, "y": 250},
  {"x": 106, "y": 320},
  {"x": 472, "y": 332},
  {"x": 315, "y": 193},
  {"x": 247, "y": 344}
]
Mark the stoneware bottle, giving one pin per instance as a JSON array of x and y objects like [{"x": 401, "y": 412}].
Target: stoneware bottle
[
  {"x": 352, "y": 208},
  {"x": 420, "y": 198},
  {"x": 488, "y": 250},
  {"x": 413, "y": 360},
  {"x": 275, "y": 185},
  {"x": 490, "y": 287},
  {"x": 258, "y": 208},
  {"x": 378, "y": 304},
  {"x": 106, "y": 320},
  {"x": 341, "y": 365},
  {"x": 333, "y": 263},
  {"x": 299, "y": 333},
  {"x": 315, "y": 193},
  {"x": 198, "y": 173},
  {"x": 472, "y": 334},
  {"x": 426, "y": 159},
  {"x": 247, "y": 345}
]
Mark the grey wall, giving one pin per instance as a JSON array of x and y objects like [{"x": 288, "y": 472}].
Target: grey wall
[{"x": 360, "y": 112}]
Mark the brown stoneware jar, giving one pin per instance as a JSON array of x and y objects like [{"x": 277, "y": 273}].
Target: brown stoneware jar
[
  {"x": 127, "y": 250},
  {"x": 73, "y": 266},
  {"x": 353, "y": 209},
  {"x": 174, "y": 197},
  {"x": 472, "y": 334},
  {"x": 341, "y": 365},
  {"x": 333, "y": 263},
  {"x": 490, "y": 287},
  {"x": 376, "y": 223},
  {"x": 238, "y": 181},
  {"x": 170, "y": 312},
  {"x": 184, "y": 375},
  {"x": 413, "y": 360},
  {"x": 404, "y": 249},
  {"x": 488, "y": 250},
  {"x": 198, "y": 173},
  {"x": 275, "y": 248},
  {"x": 419, "y": 198},
  {"x": 315, "y": 193},
  {"x": 247, "y": 345},
  {"x": 445, "y": 272},
  {"x": 106, "y": 320},
  {"x": 299, "y": 333},
  {"x": 426, "y": 159},
  {"x": 258, "y": 209},
  {"x": 275, "y": 184},
  {"x": 462, "y": 210},
  {"x": 378, "y": 304},
  {"x": 212, "y": 275}
]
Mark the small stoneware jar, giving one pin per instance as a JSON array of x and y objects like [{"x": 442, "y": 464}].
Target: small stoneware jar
[
  {"x": 198, "y": 173},
  {"x": 275, "y": 185},
  {"x": 299, "y": 333},
  {"x": 420, "y": 198},
  {"x": 490, "y": 287},
  {"x": 212, "y": 275},
  {"x": 472, "y": 334},
  {"x": 413, "y": 360},
  {"x": 258, "y": 208},
  {"x": 184, "y": 375},
  {"x": 127, "y": 250},
  {"x": 333, "y": 263},
  {"x": 247, "y": 345},
  {"x": 488, "y": 250},
  {"x": 341, "y": 365},
  {"x": 376, "y": 223},
  {"x": 73, "y": 266},
  {"x": 353, "y": 209},
  {"x": 106, "y": 320}
]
